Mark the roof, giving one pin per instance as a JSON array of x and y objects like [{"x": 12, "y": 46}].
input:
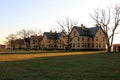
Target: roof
[
  {"x": 87, "y": 31},
  {"x": 52, "y": 35},
  {"x": 34, "y": 37}
]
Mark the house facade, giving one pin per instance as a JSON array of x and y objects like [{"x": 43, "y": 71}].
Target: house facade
[
  {"x": 54, "y": 40},
  {"x": 35, "y": 42},
  {"x": 87, "y": 38}
]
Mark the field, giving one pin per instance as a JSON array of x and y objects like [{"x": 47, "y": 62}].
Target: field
[{"x": 60, "y": 66}]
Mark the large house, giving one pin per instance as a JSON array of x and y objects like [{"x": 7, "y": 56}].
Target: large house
[
  {"x": 87, "y": 38},
  {"x": 54, "y": 40},
  {"x": 81, "y": 38}
]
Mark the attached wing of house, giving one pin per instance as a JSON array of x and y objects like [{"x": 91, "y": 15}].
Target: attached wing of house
[{"x": 53, "y": 40}]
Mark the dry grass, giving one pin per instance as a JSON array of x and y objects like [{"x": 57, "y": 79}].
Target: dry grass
[{"x": 15, "y": 57}]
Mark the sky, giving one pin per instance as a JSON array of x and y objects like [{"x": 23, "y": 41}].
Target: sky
[{"x": 42, "y": 15}]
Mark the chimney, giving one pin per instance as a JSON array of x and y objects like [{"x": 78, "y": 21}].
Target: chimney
[
  {"x": 82, "y": 26},
  {"x": 50, "y": 31},
  {"x": 55, "y": 31}
]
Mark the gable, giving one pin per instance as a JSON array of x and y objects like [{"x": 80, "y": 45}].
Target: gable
[
  {"x": 62, "y": 34},
  {"x": 74, "y": 32},
  {"x": 44, "y": 37},
  {"x": 100, "y": 32}
]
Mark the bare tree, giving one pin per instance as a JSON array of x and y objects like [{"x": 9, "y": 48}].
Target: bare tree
[
  {"x": 108, "y": 20},
  {"x": 10, "y": 40},
  {"x": 25, "y": 35},
  {"x": 67, "y": 26}
]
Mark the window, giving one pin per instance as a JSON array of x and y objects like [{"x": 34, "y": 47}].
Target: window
[
  {"x": 82, "y": 38},
  {"x": 78, "y": 38},
  {"x": 78, "y": 45},
  {"x": 49, "y": 41},
  {"x": 92, "y": 38},
  {"x": 92, "y": 44},
  {"x": 88, "y": 39},
  {"x": 85, "y": 45},
  {"x": 49, "y": 46},
  {"x": 33, "y": 42},
  {"x": 82, "y": 44}
]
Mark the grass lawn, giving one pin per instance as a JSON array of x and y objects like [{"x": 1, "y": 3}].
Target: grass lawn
[{"x": 97, "y": 66}]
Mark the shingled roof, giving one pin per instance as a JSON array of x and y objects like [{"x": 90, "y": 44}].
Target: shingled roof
[
  {"x": 52, "y": 35},
  {"x": 91, "y": 32}
]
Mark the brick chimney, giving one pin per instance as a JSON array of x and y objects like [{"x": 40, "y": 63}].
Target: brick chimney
[{"x": 82, "y": 26}]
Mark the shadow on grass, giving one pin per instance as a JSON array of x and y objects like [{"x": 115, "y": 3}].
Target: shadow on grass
[
  {"x": 6, "y": 52},
  {"x": 98, "y": 66},
  {"x": 29, "y": 55}
]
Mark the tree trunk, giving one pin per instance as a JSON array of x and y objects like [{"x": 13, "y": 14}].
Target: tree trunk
[
  {"x": 109, "y": 49},
  {"x": 68, "y": 44},
  {"x": 108, "y": 45}
]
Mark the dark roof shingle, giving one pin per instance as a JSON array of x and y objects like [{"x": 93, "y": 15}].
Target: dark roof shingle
[
  {"x": 53, "y": 35},
  {"x": 87, "y": 31}
]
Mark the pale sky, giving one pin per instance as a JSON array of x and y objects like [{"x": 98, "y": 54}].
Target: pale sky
[{"x": 43, "y": 14}]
